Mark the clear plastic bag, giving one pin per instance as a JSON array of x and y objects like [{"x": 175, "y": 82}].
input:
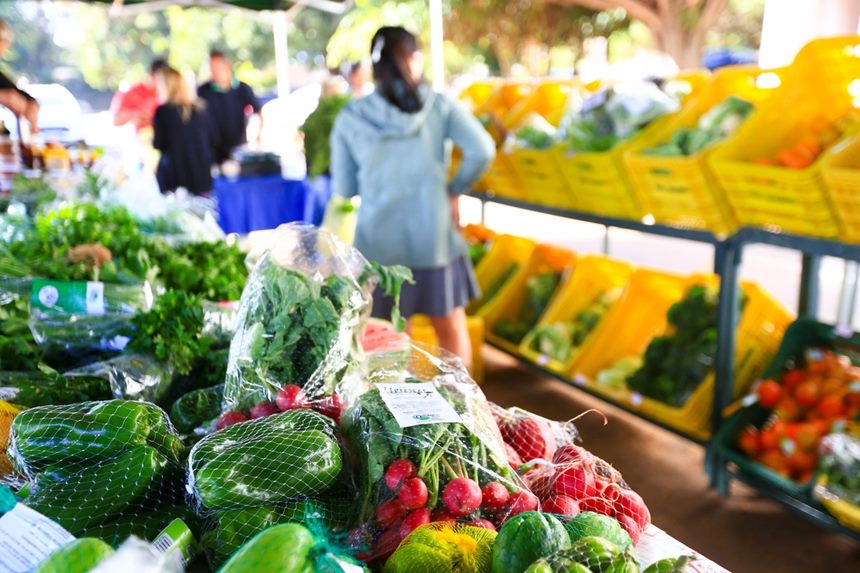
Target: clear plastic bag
[
  {"x": 840, "y": 465},
  {"x": 298, "y": 318},
  {"x": 99, "y": 469},
  {"x": 131, "y": 377},
  {"x": 568, "y": 479},
  {"x": 427, "y": 449}
]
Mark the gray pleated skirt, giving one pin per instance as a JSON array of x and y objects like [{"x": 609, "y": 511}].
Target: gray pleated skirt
[{"x": 436, "y": 291}]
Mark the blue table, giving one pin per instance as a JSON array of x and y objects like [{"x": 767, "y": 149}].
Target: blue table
[{"x": 255, "y": 203}]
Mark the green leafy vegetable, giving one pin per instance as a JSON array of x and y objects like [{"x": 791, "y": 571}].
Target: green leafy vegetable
[
  {"x": 559, "y": 340},
  {"x": 714, "y": 126},
  {"x": 539, "y": 291}
]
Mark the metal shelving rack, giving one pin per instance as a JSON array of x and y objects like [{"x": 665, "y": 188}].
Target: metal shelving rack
[{"x": 728, "y": 253}]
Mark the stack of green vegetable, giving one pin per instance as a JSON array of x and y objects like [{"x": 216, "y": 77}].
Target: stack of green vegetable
[
  {"x": 261, "y": 472},
  {"x": 534, "y": 133},
  {"x": 717, "y": 124},
  {"x": 539, "y": 291},
  {"x": 678, "y": 362},
  {"x": 560, "y": 340},
  {"x": 100, "y": 469}
]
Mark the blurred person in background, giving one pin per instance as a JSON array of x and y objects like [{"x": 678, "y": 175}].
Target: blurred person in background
[
  {"x": 184, "y": 134},
  {"x": 16, "y": 100},
  {"x": 229, "y": 103},
  {"x": 389, "y": 148},
  {"x": 137, "y": 104},
  {"x": 359, "y": 80}
]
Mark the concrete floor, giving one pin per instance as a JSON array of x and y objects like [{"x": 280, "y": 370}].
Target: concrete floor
[{"x": 743, "y": 533}]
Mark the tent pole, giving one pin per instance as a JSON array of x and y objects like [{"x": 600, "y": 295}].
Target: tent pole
[
  {"x": 282, "y": 53},
  {"x": 437, "y": 45}
]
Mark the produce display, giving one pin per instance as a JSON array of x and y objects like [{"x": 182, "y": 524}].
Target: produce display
[
  {"x": 822, "y": 135},
  {"x": 614, "y": 115},
  {"x": 561, "y": 339},
  {"x": 539, "y": 291},
  {"x": 806, "y": 402},
  {"x": 840, "y": 467},
  {"x": 715, "y": 125}
]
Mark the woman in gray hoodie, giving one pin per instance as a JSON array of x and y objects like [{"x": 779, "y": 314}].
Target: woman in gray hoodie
[{"x": 390, "y": 149}]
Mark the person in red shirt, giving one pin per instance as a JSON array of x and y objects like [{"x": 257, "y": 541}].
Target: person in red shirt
[{"x": 138, "y": 104}]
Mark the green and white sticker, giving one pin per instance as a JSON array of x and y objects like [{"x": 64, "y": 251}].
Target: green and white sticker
[{"x": 68, "y": 297}]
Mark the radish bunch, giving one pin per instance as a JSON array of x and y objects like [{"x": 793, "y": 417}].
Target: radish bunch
[
  {"x": 290, "y": 397},
  {"x": 577, "y": 481}
]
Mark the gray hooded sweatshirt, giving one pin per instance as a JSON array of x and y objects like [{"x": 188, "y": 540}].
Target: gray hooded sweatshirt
[{"x": 396, "y": 163}]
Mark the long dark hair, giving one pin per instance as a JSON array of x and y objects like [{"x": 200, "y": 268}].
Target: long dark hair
[{"x": 390, "y": 50}]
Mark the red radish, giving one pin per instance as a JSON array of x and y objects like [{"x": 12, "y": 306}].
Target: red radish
[
  {"x": 609, "y": 491},
  {"x": 514, "y": 459},
  {"x": 576, "y": 482},
  {"x": 414, "y": 520},
  {"x": 597, "y": 505},
  {"x": 389, "y": 512},
  {"x": 506, "y": 428},
  {"x": 291, "y": 397},
  {"x": 441, "y": 515},
  {"x": 533, "y": 439},
  {"x": 398, "y": 472},
  {"x": 570, "y": 454},
  {"x": 331, "y": 406},
  {"x": 521, "y": 501},
  {"x": 539, "y": 482},
  {"x": 413, "y": 493},
  {"x": 263, "y": 410},
  {"x": 227, "y": 419},
  {"x": 386, "y": 544},
  {"x": 462, "y": 496},
  {"x": 494, "y": 496},
  {"x": 630, "y": 526},
  {"x": 631, "y": 504},
  {"x": 560, "y": 504},
  {"x": 482, "y": 523}
]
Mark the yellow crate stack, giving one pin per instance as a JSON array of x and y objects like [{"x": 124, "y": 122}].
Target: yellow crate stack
[
  {"x": 682, "y": 190},
  {"x": 507, "y": 305},
  {"x": 505, "y": 251},
  {"x": 841, "y": 169},
  {"x": 819, "y": 89},
  {"x": 592, "y": 277}
]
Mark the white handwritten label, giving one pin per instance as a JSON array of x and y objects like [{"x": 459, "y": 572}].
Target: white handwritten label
[{"x": 416, "y": 404}]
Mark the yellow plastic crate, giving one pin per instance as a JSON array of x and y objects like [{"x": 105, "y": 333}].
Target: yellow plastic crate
[
  {"x": 628, "y": 327},
  {"x": 548, "y": 98},
  {"x": 841, "y": 169},
  {"x": 759, "y": 333},
  {"x": 477, "y": 93},
  {"x": 541, "y": 178},
  {"x": 682, "y": 190},
  {"x": 592, "y": 277},
  {"x": 422, "y": 331},
  {"x": 819, "y": 88},
  {"x": 507, "y": 305},
  {"x": 501, "y": 179},
  {"x": 7, "y": 413},
  {"x": 504, "y": 251}
]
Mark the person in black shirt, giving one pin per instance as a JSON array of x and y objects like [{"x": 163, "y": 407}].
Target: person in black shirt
[
  {"x": 229, "y": 102},
  {"x": 18, "y": 101},
  {"x": 185, "y": 136}
]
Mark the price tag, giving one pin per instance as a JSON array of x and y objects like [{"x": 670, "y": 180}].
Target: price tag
[
  {"x": 27, "y": 538},
  {"x": 68, "y": 297},
  {"x": 636, "y": 399}
]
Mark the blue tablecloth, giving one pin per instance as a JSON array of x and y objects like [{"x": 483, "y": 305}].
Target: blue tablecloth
[{"x": 255, "y": 203}]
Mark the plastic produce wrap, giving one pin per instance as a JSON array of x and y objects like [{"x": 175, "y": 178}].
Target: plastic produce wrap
[
  {"x": 261, "y": 472},
  {"x": 131, "y": 376},
  {"x": 427, "y": 449},
  {"x": 99, "y": 469},
  {"x": 298, "y": 318},
  {"x": 38, "y": 388},
  {"x": 567, "y": 478},
  {"x": 181, "y": 218},
  {"x": 78, "y": 316}
]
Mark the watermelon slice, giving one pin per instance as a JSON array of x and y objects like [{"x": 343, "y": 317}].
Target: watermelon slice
[{"x": 380, "y": 336}]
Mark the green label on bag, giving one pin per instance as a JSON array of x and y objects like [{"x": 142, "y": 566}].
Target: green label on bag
[
  {"x": 176, "y": 537},
  {"x": 68, "y": 297}
]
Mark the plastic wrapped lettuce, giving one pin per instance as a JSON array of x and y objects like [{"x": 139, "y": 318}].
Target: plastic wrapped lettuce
[{"x": 299, "y": 317}]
